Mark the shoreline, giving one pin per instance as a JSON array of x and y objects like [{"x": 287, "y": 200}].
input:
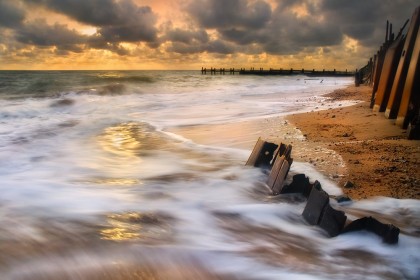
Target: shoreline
[
  {"x": 343, "y": 143},
  {"x": 378, "y": 158}
]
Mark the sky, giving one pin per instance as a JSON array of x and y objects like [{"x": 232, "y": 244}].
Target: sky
[{"x": 190, "y": 34}]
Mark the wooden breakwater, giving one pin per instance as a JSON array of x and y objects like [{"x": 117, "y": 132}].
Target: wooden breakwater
[
  {"x": 394, "y": 74},
  {"x": 318, "y": 210},
  {"x": 278, "y": 71}
]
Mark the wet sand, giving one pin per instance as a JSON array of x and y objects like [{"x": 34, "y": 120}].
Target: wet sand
[
  {"x": 379, "y": 160},
  {"x": 345, "y": 143},
  {"x": 350, "y": 143}
]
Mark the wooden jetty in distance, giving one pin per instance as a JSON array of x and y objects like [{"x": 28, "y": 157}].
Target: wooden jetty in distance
[{"x": 278, "y": 71}]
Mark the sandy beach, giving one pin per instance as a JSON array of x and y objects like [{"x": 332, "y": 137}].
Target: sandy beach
[
  {"x": 92, "y": 188},
  {"x": 379, "y": 160},
  {"x": 347, "y": 144}
]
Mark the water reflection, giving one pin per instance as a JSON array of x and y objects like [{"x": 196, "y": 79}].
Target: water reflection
[
  {"x": 116, "y": 181},
  {"x": 123, "y": 139},
  {"x": 150, "y": 227}
]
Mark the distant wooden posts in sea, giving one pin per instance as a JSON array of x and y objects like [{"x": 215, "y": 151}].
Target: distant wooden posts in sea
[
  {"x": 278, "y": 71},
  {"x": 394, "y": 74}
]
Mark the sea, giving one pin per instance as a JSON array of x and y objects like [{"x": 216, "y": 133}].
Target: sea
[{"x": 95, "y": 183}]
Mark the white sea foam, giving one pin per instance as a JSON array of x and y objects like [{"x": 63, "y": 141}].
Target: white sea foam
[{"x": 73, "y": 156}]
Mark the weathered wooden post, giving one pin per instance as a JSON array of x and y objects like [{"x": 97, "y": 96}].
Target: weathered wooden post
[
  {"x": 262, "y": 154},
  {"x": 403, "y": 65},
  {"x": 379, "y": 65},
  {"x": 411, "y": 92},
  {"x": 280, "y": 169},
  {"x": 389, "y": 69},
  {"x": 357, "y": 78}
]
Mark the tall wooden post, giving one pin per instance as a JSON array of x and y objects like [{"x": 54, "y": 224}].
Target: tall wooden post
[
  {"x": 387, "y": 75},
  {"x": 410, "y": 100},
  {"x": 402, "y": 71}
]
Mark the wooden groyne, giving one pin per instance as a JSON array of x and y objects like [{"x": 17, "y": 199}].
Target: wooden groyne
[
  {"x": 318, "y": 210},
  {"x": 278, "y": 71},
  {"x": 394, "y": 74}
]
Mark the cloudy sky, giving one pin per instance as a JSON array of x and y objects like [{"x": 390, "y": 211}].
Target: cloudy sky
[{"x": 189, "y": 34}]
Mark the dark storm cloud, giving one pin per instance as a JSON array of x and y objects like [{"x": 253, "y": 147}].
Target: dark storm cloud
[
  {"x": 233, "y": 13},
  {"x": 39, "y": 33},
  {"x": 186, "y": 36},
  {"x": 192, "y": 41},
  {"x": 244, "y": 37},
  {"x": 128, "y": 33},
  {"x": 10, "y": 14},
  {"x": 96, "y": 12},
  {"x": 96, "y": 41},
  {"x": 117, "y": 21},
  {"x": 290, "y": 33},
  {"x": 216, "y": 46},
  {"x": 285, "y": 31},
  {"x": 214, "y": 26},
  {"x": 365, "y": 20},
  {"x": 278, "y": 31}
]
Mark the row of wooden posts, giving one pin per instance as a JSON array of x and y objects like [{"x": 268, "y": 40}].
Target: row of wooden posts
[
  {"x": 318, "y": 211},
  {"x": 276, "y": 71},
  {"x": 394, "y": 74}
]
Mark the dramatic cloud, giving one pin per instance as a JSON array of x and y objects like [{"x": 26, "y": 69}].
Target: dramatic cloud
[
  {"x": 232, "y": 13},
  {"x": 40, "y": 33},
  {"x": 279, "y": 31},
  {"x": 365, "y": 20},
  {"x": 185, "y": 41},
  {"x": 10, "y": 14},
  {"x": 216, "y": 46},
  {"x": 240, "y": 32},
  {"x": 187, "y": 36},
  {"x": 118, "y": 21},
  {"x": 299, "y": 24}
]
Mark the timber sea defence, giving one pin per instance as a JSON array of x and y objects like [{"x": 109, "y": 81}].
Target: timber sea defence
[{"x": 277, "y": 71}]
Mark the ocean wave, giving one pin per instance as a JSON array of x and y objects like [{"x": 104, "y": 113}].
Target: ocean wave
[
  {"x": 120, "y": 78},
  {"x": 109, "y": 89},
  {"x": 112, "y": 89},
  {"x": 131, "y": 139},
  {"x": 62, "y": 103}
]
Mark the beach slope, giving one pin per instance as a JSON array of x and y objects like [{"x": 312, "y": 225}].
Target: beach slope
[{"x": 378, "y": 159}]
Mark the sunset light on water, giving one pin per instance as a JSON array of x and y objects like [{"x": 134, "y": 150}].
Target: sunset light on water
[{"x": 132, "y": 164}]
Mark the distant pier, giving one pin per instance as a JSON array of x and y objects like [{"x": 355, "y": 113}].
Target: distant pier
[{"x": 278, "y": 71}]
